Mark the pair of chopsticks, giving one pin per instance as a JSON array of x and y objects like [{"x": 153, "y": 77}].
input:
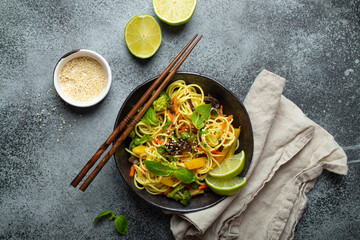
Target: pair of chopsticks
[{"x": 126, "y": 121}]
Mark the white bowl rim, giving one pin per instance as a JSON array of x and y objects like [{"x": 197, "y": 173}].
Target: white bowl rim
[{"x": 81, "y": 53}]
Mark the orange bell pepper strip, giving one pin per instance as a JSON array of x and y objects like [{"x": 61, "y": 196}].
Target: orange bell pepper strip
[{"x": 170, "y": 116}]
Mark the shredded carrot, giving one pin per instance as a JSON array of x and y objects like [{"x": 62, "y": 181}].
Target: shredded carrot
[
  {"x": 143, "y": 169},
  {"x": 217, "y": 152},
  {"x": 169, "y": 190},
  {"x": 221, "y": 110},
  {"x": 229, "y": 118},
  {"x": 203, "y": 186},
  {"x": 223, "y": 125},
  {"x": 182, "y": 129},
  {"x": 200, "y": 149},
  {"x": 157, "y": 141},
  {"x": 176, "y": 105},
  {"x": 132, "y": 171},
  {"x": 170, "y": 116}
]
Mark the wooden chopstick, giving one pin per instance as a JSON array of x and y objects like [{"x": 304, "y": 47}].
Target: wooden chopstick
[{"x": 127, "y": 119}]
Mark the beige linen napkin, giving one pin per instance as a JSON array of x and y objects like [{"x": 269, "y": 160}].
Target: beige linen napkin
[{"x": 290, "y": 152}]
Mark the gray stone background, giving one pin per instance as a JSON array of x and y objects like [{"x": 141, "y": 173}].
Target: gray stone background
[{"x": 314, "y": 44}]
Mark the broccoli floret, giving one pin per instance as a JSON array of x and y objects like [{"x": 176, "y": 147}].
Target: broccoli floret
[
  {"x": 162, "y": 102},
  {"x": 176, "y": 189},
  {"x": 186, "y": 198}
]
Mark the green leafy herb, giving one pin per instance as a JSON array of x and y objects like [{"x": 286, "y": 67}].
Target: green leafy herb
[
  {"x": 121, "y": 224},
  {"x": 150, "y": 117},
  {"x": 184, "y": 175},
  {"x": 200, "y": 115},
  {"x": 184, "y": 135},
  {"x": 172, "y": 158},
  {"x": 103, "y": 214},
  {"x": 203, "y": 132},
  {"x": 162, "y": 149},
  {"x": 167, "y": 124},
  {"x": 158, "y": 168},
  {"x": 143, "y": 139},
  {"x": 194, "y": 185},
  {"x": 181, "y": 173}
]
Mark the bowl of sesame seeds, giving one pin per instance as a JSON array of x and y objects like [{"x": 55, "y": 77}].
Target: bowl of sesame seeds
[{"x": 82, "y": 78}]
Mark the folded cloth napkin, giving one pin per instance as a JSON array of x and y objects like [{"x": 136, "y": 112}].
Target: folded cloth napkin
[{"x": 290, "y": 152}]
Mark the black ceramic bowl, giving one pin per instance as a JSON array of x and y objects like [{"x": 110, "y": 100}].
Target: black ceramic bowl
[{"x": 231, "y": 105}]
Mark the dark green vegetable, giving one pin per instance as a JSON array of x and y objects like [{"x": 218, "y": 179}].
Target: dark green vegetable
[
  {"x": 150, "y": 117},
  {"x": 143, "y": 139},
  {"x": 186, "y": 198},
  {"x": 103, "y": 214},
  {"x": 184, "y": 175},
  {"x": 191, "y": 139},
  {"x": 201, "y": 115},
  {"x": 182, "y": 196},
  {"x": 172, "y": 158},
  {"x": 162, "y": 102},
  {"x": 176, "y": 189},
  {"x": 185, "y": 135},
  {"x": 167, "y": 124},
  {"x": 121, "y": 224},
  {"x": 203, "y": 132},
  {"x": 194, "y": 185},
  {"x": 160, "y": 151},
  {"x": 132, "y": 134}
]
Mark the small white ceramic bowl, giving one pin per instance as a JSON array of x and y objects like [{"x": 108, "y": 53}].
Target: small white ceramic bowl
[{"x": 81, "y": 53}]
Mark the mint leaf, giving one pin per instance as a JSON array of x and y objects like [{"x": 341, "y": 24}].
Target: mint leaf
[
  {"x": 103, "y": 214},
  {"x": 200, "y": 115},
  {"x": 167, "y": 124},
  {"x": 150, "y": 117},
  {"x": 184, "y": 175},
  {"x": 158, "y": 168},
  {"x": 143, "y": 139},
  {"x": 121, "y": 224},
  {"x": 203, "y": 132}
]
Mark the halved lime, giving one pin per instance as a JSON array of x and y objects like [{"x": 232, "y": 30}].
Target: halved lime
[
  {"x": 174, "y": 12},
  {"x": 223, "y": 186},
  {"x": 230, "y": 167},
  {"x": 143, "y": 36}
]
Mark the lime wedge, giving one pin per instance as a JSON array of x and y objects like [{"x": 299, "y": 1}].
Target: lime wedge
[
  {"x": 230, "y": 167},
  {"x": 143, "y": 36},
  {"x": 174, "y": 12},
  {"x": 223, "y": 186}
]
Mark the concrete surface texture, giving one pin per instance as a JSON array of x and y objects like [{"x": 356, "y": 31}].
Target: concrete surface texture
[{"x": 315, "y": 45}]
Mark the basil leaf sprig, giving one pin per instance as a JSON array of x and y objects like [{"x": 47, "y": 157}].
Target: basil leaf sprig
[
  {"x": 103, "y": 214},
  {"x": 150, "y": 117},
  {"x": 143, "y": 139},
  {"x": 200, "y": 115},
  {"x": 121, "y": 222},
  {"x": 181, "y": 173}
]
